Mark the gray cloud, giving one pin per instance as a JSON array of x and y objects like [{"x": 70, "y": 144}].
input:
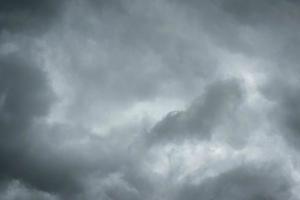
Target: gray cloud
[
  {"x": 26, "y": 97},
  {"x": 83, "y": 82},
  {"x": 243, "y": 182},
  {"x": 27, "y": 16},
  {"x": 285, "y": 113},
  {"x": 219, "y": 101},
  {"x": 16, "y": 190}
]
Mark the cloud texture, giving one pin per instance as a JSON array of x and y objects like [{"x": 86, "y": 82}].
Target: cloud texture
[{"x": 153, "y": 100}]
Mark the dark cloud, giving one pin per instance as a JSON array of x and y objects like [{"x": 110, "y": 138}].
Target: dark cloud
[
  {"x": 286, "y": 108},
  {"x": 26, "y": 97},
  {"x": 81, "y": 82},
  {"x": 255, "y": 28},
  {"x": 244, "y": 182},
  {"x": 32, "y": 15},
  {"x": 16, "y": 190},
  {"x": 37, "y": 154},
  {"x": 130, "y": 56},
  {"x": 25, "y": 94},
  {"x": 266, "y": 31},
  {"x": 276, "y": 41},
  {"x": 262, "y": 13},
  {"x": 220, "y": 100}
]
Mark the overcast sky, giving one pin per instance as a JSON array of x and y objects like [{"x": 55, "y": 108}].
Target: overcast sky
[{"x": 149, "y": 100}]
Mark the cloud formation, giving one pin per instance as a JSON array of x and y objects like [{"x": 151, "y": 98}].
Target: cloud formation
[
  {"x": 168, "y": 99},
  {"x": 219, "y": 101},
  {"x": 243, "y": 182},
  {"x": 29, "y": 16}
]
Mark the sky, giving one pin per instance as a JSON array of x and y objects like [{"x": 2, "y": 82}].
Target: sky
[{"x": 149, "y": 100}]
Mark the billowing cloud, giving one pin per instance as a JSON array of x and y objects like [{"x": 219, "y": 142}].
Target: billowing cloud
[
  {"x": 168, "y": 99},
  {"x": 25, "y": 98}
]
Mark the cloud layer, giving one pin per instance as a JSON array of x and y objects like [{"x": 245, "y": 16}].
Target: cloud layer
[{"x": 170, "y": 99}]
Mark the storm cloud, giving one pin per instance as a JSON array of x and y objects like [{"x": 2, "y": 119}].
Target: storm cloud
[{"x": 137, "y": 99}]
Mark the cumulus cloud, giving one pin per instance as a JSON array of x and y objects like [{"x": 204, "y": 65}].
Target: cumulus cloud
[{"x": 168, "y": 99}]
